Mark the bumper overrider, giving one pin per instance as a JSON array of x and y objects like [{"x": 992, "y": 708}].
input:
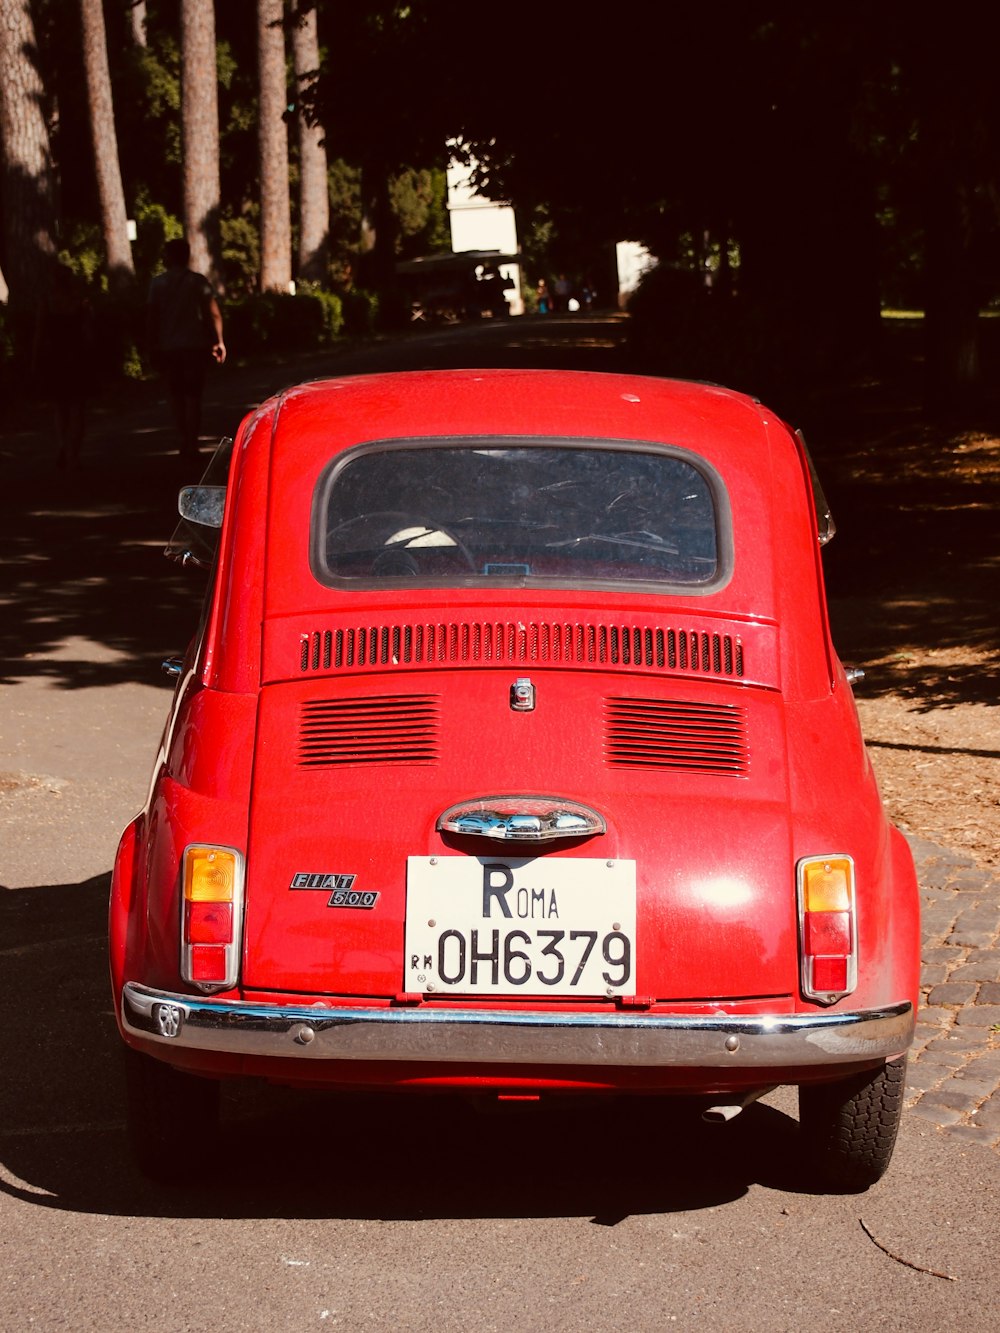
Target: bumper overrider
[{"x": 505, "y": 1037}]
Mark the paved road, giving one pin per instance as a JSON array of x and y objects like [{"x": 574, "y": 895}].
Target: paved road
[{"x": 360, "y": 1214}]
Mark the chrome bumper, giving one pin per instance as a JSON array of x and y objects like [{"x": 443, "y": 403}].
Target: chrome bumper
[{"x": 508, "y": 1036}]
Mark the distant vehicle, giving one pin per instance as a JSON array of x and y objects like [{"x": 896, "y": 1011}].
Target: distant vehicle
[
  {"x": 512, "y": 755},
  {"x": 449, "y": 288}
]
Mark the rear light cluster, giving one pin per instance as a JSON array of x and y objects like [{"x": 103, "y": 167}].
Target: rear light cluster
[
  {"x": 828, "y": 938},
  {"x": 213, "y": 916}
]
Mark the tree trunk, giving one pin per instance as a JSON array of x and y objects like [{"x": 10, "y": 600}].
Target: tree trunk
[
  {"x": 200, "y": 135},
  {"x": 137, "y": 21},
  {"x": 952, "y": 287},
  {"x": 114, "y": 218},
  {"x": 952, "y": 71},
  {"x": 314, "y": 192},
  {"x": 275, "y": 213},
  {"x": 380, "y": 227},
  {"x": 28, "y": 187}
]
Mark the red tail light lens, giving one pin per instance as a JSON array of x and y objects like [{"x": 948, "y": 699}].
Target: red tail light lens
[
  {"x": 209, "y": 923},
  {"x": 212, "y": 916},
  {"x": 827, "y": 927}
]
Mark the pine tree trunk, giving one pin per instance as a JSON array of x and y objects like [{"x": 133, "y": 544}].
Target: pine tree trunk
[
  {"x": 114, "y": 218},
  {"x": 137, "y": 21},
  {"x": 275, "y": 214},
  {"x": 200, "y": 135},
  {"x": 314, "y": 193},
  {"x": 28, "y": 187}
]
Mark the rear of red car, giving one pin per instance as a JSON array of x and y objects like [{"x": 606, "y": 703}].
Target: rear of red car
[{"x": 514, "y": 755}]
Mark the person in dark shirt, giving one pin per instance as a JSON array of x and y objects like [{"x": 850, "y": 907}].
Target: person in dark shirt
[
  {"x": 63, "y": 357},
  {"x": 185, "y": 335}
]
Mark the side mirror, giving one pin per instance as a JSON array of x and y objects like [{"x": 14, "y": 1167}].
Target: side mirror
[
  {"x": 196, "y": 537},
  {"x": 203, "y": 505},
  {"x": 825, "y": 525}
]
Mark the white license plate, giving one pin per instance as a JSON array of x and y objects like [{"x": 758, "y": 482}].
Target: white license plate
[{"x": 520, "y": 926}]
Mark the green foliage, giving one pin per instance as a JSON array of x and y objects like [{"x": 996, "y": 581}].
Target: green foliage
[
  {"x": 279, "y": 322},
  {"x": 82, "y": 250},
  {"x": 330, "y": 305},
  {"x": 418, "y": 199},
  {"x": 360, "y": 311},
  {"x": 344, "y": 239},
  {"x": 154, "y": 226},
  {"x": 240, "y": 236},
  {"x": 160, "y": 67}
]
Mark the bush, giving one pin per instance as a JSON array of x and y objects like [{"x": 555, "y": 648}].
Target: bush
[
  {"x": 777, "y": 349},
  {"x": 393, "y": 310},
  {"x": 240, "y": 240},
  {"x": 283, "y": 323},
  {"x": 360, "y": 311}
]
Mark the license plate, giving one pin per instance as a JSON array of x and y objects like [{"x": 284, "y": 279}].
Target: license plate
[{"x": 520, "y": 926}]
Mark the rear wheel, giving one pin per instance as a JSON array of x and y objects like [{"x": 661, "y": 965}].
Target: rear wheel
[
  {"x": 848, "y": 1128},
  {"x": 173, "y": 1120}
]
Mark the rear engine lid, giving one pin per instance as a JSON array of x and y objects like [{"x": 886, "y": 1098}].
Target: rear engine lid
[{"x": 352, "y": 780}]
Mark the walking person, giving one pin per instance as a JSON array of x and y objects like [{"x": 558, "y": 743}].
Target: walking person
[
  {"x": 184, "y": 326},
  {"x": 62, "y": 357}
]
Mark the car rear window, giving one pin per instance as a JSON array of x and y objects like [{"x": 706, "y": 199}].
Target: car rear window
[{"x": 520, "y": 513}]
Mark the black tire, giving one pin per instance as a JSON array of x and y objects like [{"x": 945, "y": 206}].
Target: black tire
[
  {"x": 173, "y": 1120},
  {"x": 848, "y": 1128}
]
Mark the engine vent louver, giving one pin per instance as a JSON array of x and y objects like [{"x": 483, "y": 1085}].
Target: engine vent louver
[
  {"x": 664, "y": 733},
  {"x": 401, "y": 729},
  {"x": 522, "y": 643}
]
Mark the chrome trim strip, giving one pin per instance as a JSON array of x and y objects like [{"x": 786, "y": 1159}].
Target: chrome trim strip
[{"x": 509, "y": 1036}]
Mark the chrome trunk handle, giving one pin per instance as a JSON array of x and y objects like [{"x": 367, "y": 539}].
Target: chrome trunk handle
[{"x": 521, "y": 819}]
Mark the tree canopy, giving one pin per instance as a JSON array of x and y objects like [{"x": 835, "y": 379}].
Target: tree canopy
[{"x": 814, "y": 158}]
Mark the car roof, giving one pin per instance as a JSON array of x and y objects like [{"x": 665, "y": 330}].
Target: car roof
[
  {"x": 328, "y": 415},
  {"x": 287, "y": 447}
]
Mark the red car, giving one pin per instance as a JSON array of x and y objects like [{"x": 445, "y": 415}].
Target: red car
[{"x": 513, "y": 756}]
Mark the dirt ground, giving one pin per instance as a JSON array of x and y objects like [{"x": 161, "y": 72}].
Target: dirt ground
[
  {"x": 939, "y": 771},
  {"x": 914, "y": 592}
]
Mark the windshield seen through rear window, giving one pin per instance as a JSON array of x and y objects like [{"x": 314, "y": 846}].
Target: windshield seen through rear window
[{"x": 510, "y": 512}]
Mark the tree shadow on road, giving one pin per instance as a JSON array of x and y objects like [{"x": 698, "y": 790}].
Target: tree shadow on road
[
  {"x": 913, "y": 574},
  {"x": 90, "y": 599},
  {"x": 83, "y": 553},
  {"x": 914, "y": 561}
]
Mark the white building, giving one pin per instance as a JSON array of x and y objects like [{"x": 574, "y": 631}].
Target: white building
[{"x": 480, "y": 224}]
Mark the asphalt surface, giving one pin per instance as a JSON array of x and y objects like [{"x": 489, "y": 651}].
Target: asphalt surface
[{"x": 362, "y": 1213}]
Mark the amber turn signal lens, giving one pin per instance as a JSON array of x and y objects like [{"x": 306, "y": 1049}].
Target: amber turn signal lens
[
  {"x": 209, "y": 875},
  {"x": 827, "y": 885}
]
